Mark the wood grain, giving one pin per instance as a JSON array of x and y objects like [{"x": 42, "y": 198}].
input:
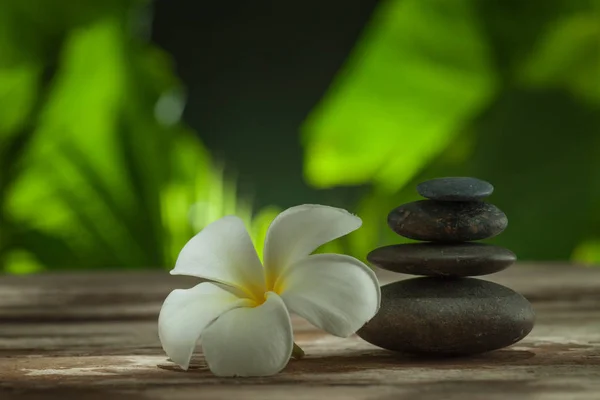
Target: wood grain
[{"x": 93, "y": 336}]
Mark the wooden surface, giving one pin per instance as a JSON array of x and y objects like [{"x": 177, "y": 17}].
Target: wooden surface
[{"x": 93, "y": 336}]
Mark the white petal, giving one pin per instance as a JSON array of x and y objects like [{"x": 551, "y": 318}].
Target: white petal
[
  {"x": 185, "y": 314},
  {"x": 298, "y": 231},
  {"x": 250, "y": 341},
  {"x": 223, "y": 252},
  {"x": 334, "y": 292}
]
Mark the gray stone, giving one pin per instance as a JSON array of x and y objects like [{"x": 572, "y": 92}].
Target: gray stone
[
  {"x": 448, "y": 317},
  {"x": 455, "y": 189},
  {"x": 439, "y": 221},
  {"x": 450, "y": 260}
]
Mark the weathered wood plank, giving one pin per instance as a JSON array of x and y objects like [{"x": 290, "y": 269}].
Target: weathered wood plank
[
  {"x": 94, "y": 337},
  {"x": 134, "y": 295}
]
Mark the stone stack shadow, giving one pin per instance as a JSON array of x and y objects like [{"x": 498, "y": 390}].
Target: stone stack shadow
[{"x": 446, "y": 312}]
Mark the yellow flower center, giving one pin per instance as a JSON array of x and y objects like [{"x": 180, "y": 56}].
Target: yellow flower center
[{"x": 258, "y": 297}]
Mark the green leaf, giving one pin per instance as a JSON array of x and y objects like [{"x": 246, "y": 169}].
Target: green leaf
[
  {"x": 18, "y": 92},
  {"x": 420, "y": 73},
  {"x": 568, "y": 55},
  {"x": 588, "y": 252},
  {"x": 55, "y": 188},
  {"x": 21, "y": 262}
]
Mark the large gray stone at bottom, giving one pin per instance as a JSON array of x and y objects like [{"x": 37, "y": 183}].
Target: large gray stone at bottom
[{"x": 448, "y": 317}]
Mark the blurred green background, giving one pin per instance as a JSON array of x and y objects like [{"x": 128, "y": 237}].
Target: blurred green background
[{"x": 126, "y": 126}]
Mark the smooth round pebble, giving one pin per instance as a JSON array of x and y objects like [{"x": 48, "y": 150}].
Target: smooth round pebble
[
  {"x": 448, "y": 317},
  {"x": 449, "y": 260},
  {"x": 439, "y": 221},
  {"x": 455, "y": 189}
]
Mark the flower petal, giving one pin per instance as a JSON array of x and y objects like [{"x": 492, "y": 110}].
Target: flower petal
[
  {"x": 250, "y": 341},
  {"x": 334, "y": 292},
  {"x": 223, "y": 252},
  {"x": 186, "y": 312},
  {"x": 298, "y": 231}
]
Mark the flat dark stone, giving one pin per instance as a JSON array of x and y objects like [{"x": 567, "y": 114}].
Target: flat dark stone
[
  {"x": 448, "y": 317},
  {"x": 450, "y": 260},
  {"x": 455, "y": 189},
  {"x": 439, "y": 221}
]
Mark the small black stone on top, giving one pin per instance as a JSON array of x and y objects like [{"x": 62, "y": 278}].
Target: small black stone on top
[
  {"x": 445, "y": 260},
  {"x": 455, "y": 189},
  {"x": 440, "y": 221}
]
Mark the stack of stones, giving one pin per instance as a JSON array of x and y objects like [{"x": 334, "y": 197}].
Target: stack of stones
[{"x": 446, "y": 312}]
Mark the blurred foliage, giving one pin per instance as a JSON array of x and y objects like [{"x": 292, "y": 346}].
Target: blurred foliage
[
  {"x": 508, "y": 91},
  {"x": 406, "y": 71},
  {"x": 97, "y": 171}
]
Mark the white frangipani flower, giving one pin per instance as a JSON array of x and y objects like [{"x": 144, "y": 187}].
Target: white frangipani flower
[{"x": 242, "y": 318}]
